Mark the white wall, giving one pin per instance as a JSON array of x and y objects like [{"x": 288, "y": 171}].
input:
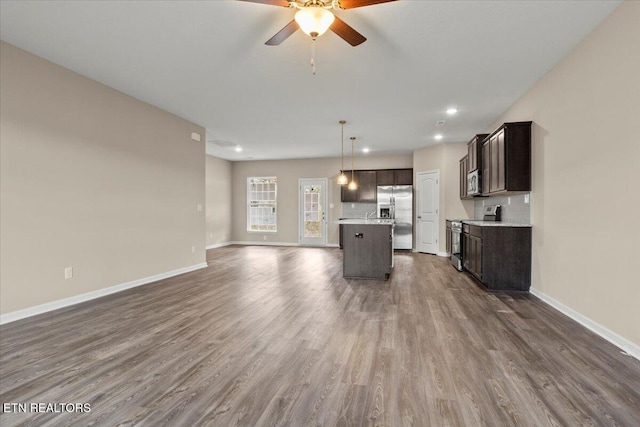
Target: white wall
[
  {"x": 218, "y": 189},
  {"x": 288, "y": 173},
  {"x": 445, "y": 158},
  {"x": 91, "y": 179},
  {"x": 586, "y": 162}
]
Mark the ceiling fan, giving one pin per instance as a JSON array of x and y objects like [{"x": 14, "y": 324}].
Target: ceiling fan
[{"x": 314, "y": 17}]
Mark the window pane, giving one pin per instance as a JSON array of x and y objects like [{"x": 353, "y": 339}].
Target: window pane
[{"x": 261, "y": 204}]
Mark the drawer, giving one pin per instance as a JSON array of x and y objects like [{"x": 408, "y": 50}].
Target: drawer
[
  {"x": 465, "y": 228},
  {"x": 474, "y": 230}
]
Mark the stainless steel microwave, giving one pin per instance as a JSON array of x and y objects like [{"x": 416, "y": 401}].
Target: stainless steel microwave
[{"x": 473, "y": 183}]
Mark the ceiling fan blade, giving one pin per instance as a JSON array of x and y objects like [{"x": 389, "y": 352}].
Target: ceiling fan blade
[
  {"x": 352, "y": 4},
  {"x": 347, "y": 33},
  {"x": 281, "y": 35},
  {"x": 283, "y": 3}
]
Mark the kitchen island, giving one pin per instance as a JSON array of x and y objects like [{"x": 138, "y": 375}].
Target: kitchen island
[{"x": 367, "y": 248}]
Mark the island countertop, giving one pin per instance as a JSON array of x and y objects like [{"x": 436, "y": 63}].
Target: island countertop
[{"x": 363, "y": 221}]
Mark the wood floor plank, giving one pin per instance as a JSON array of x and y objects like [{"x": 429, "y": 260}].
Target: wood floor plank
[{"x": 275, "y": 336}]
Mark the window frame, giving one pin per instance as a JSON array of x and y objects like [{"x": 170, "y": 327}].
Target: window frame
[{"x": 250, "y": 181}]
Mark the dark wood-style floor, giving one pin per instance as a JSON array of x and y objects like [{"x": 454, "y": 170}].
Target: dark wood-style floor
[{"x": 275, "y": 336}]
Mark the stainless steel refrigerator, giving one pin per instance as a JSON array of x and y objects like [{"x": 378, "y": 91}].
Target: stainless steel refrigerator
[{"x": 396, "y": 202}]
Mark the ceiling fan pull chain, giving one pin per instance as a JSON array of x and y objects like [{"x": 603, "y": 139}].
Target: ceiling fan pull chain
[{"x": 313, "y": 57}]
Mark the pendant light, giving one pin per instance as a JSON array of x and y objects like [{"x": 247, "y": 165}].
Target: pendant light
[
  {"x": 342, "y": 178},
  {"x": 353, "y": 185}
]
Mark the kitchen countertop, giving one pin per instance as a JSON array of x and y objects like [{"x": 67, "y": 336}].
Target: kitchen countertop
[{"x": 494, "y": 223}]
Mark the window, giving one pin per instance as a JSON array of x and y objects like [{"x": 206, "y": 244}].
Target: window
[{"x": 262, "y": 204}]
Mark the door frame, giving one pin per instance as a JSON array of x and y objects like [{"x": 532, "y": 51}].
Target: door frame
[
  {"x": 324, "y": 200},
  {"x": 417, "y": 212}
]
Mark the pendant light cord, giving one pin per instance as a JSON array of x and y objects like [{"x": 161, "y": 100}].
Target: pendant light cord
[
  {"x": 352, "y": 139},
  {"x": 342, "y": 124}
]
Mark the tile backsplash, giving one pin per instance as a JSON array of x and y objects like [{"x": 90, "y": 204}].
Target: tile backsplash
[
  {"x": 518, "y": 212},
  {"x": 359, "y": 210}
]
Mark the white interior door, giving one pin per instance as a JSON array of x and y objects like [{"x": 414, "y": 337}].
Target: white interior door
[
  {"x": 428, "y": 215},
  {"x": 312, "y": 212}
]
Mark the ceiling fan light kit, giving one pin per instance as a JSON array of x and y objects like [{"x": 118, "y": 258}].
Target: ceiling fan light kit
[
  {"x": 315, "y": 18},
  {"x": 314, "y": 21}
]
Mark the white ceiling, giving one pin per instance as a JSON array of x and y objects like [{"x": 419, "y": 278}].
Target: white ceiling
[{"x": 206, "y": 61}]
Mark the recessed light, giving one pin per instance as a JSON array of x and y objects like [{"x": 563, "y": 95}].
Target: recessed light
[
  {"x": 365, "y": 150},
  {"x": 438, "y": 137},
  {"x": 238, "y": 149},
  {"x": 451, "y": 111}
]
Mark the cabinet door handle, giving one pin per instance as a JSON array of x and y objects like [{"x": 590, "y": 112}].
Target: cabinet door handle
[{"x": 419, "y": 217}]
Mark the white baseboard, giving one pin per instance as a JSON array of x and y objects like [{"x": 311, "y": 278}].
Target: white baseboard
[
  {"x": 627, "y": 346},
  {"x": 442, "y": 254},
  {"x": 264, "y": 243},
  {"x": 218, "y": 245},
  {"x": 66, "y": 302}
]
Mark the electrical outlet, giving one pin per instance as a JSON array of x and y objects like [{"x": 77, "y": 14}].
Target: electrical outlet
[
  {"x": 193, "y": 249},
  {"x": 264, "y": 237},
  {"x": 526, "y": 198},
  {"x": 211, "y": 235},
  {"x": 508, "y": 200},
  {"x": 199, "y": 207},
  {"x": 68, "y": 272}
]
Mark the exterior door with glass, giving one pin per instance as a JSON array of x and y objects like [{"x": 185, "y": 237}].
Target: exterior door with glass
[{"x": 313, "y": 204}]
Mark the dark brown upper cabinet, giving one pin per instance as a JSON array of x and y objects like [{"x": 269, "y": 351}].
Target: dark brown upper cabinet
[
  {"x": 485, "y": 169},
  {"x": 506, "y": 159},
  {"x": 368, "y": 181},
  {"x": 367, "y": 191},
  {"x": 394, "y": 177},
  {"x": 463, "y": 177},
  {"x": 403, "y": 176},
  {"x": 367, "y": 186},
  {"x": 474, "y": 152},
  {"x": 385, "y": 177}
]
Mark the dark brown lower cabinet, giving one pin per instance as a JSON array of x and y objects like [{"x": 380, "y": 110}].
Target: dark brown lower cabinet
[
  {"x": 466, "y": 246},
  {"x": 475, "y": 254},
  {"x": 498, "y": 257}
]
